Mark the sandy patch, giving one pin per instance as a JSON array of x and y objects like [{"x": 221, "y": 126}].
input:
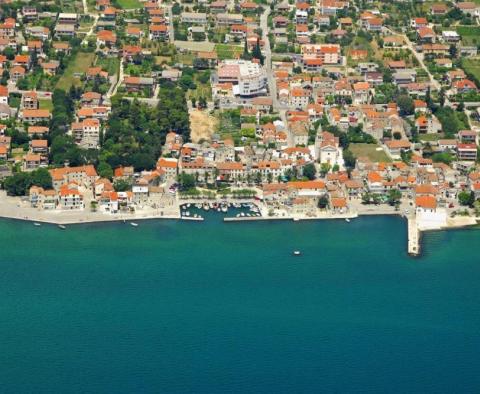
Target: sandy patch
[{"x": 202, "y": 125}]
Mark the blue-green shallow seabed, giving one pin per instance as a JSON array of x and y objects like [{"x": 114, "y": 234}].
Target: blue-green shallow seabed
[{"x": 183, "y": 307}]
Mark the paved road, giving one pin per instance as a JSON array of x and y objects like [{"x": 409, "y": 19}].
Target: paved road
[
  {"x": 272, "y": 85},
  {"x": 92, "y": 29},
  {"x": 113, "y": 89},
  {"x": 171, "y": 32},
  {"x": 435, "y": 85},
  {"x": 12, "y": 88}
]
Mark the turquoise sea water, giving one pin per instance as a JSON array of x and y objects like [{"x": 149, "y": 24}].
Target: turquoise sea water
[{"x": 183, "y": 307}]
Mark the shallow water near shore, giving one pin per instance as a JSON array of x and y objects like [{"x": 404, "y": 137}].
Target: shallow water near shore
[{"x": 210, "y": 307}]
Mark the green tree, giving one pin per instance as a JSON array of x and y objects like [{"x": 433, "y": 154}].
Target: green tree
[
  {"x": 476, "y": 206},
  {"x": 20, "y": 182},
  {"x": 405, "y": 104},
  {"x": 105, "y": 170},
  {"x": 366, "y": 198},
  {"x": 41, "y": 177},
  {"x": 323, "y": 202},
  {"x": 257, "y": 52},
  {"x": 246, "y": 54},
  {"x": 121, "y": 185},
  {"x": 394, "y": 197},
  {"x": 466, "y": 198},
  {"x": 349, "y": 158},
  {"x": 309, "y": 171},
  {"x": 186, "y": 181},
  {"x": 143, "y": 161},
  {"x": 444, "y": 157},
  {"x": 17, "y": 184}
]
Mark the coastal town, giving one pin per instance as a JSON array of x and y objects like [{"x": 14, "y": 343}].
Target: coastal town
[{"x": 321, "y": 109}]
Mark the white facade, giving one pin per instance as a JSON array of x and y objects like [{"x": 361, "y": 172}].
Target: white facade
[{"x": 248, "y": 78}]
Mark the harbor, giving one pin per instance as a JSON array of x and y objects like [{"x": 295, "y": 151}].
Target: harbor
[{"x": 247, "y": 210}]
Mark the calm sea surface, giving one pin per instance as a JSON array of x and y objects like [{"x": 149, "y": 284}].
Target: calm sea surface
[{"x": 183, "y": 307}]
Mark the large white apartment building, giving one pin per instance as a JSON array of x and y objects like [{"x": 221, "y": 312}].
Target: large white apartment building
[{"x": 248, "y": 78}]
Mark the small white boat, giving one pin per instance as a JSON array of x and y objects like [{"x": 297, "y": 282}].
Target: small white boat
[
  {"x": 187, "y": 213},
  {"x": 297, "y": 253},
  {"x": 36, "y": 224},
  {"x": 242, "y": 214},
  {"x": 347, "y": 220},
  {"x": 218, "y": 209},
  {"x": 188, "y": 205},
  {"x": 134, "y": 224},
  {"x": 206, "y": 207},
  {"x": 61, "y": 226},
  {"x": 224, "y": 209}
]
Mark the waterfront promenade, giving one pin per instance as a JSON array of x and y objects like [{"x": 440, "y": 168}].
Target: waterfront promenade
[{"x": 16, "y": 208}]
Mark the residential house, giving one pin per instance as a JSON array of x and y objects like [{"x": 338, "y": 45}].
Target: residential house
[{"x": 33, "y": 116}]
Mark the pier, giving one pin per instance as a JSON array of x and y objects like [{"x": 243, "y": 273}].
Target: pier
[
  {"x": 413, "y": 237},
  {"x": 254, "y": 218}
]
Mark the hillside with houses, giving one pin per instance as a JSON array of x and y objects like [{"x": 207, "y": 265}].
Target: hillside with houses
[{"x": 307, "y": 109}]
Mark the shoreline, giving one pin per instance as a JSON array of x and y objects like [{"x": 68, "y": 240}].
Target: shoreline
[
  {"x": 70, "y": 218},
  {"x": 17, "y": 210},
  {"x": 414, "y": 231}
]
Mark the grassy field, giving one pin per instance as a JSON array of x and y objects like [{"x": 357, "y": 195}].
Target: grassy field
[
  {"x": 109, "y": 64},
  {"x": 431, "y": 137},
  {"x": 370, "y": 151},
  {"x": 225, "y": 51},
  {"x": 472, "y": 66},
  {"x": 470, "y": 34},
  {"x": 202, "y": 90},
  {"x": 129, "y": 4},
  {"x": 46, "y": 104},
  {"x": 80, "y": 64},
  {"x": 160, "y": 59},
  {"x": 186, "y": 58}
]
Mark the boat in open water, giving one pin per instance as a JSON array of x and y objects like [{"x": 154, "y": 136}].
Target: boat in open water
[
  {"x": 297, "y": 253},
  {"x": 133, "y": 224}
]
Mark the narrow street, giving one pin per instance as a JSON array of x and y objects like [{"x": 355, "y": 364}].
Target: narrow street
[
  {"x": 272, "y": 85},
  {"x": 433, "y": 82},
  {"x": 113, "y": 89}
]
